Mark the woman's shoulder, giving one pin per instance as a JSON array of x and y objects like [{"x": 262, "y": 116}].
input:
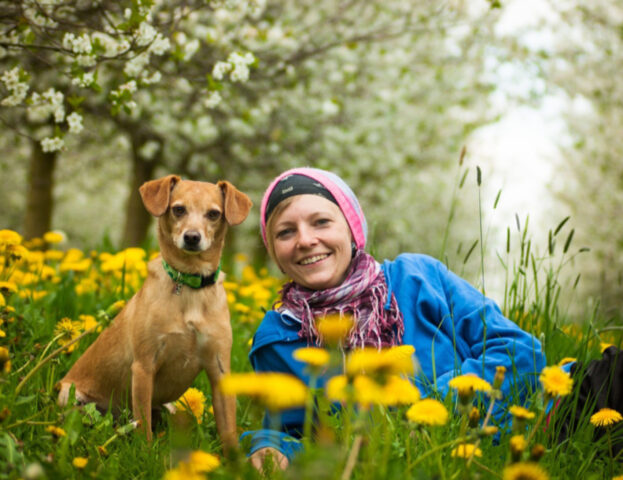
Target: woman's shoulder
[
  {"x": 276, "y": 327},
  {"x": 414, "y": 263}
]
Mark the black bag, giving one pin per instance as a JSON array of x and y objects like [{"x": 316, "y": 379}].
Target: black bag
[{"x": 597, "y": 384}]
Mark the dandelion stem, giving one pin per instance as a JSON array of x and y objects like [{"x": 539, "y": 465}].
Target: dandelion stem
[
  {"x": 352, "y": 457},
  {"x": 45, "y": 360},
  {"x": 28, "y": 420},
  {"x": 456, "y": 441}
]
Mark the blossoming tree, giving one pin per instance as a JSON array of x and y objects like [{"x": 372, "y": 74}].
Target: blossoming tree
[{"x": 240, "y": 89}]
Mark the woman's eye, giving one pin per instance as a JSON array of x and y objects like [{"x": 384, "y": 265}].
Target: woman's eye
[
  {"x": 322, "y": 221},
  {"x": 213, "y": 215},
  {"x": 178, "y": 210},
  {"x": 283, "y": 233}
]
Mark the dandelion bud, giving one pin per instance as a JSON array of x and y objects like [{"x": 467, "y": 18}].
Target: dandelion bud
[
  {"x": 474, "y": 417},
  {"x": 517, "y": 444},
  {"x": 537, "y": 452},
  {"x": 489, "y": 431},
  {"x": 4, "y": 414},
  {"x": 498, "y": 380}
]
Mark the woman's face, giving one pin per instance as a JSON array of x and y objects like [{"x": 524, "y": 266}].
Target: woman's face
[{"x": 312, "y": 242}]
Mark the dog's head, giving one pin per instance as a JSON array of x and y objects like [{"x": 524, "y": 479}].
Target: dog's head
[{"x": 193, "y": 216}]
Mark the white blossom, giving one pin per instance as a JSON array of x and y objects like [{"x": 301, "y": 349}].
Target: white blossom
[
  {"x": 129, "y": 86},
  {"x": 160, "y": 45},
  {"x": 214, "y": 98},
  {"x": 190, "y": 49},
  {"x": 52, "y": 144},
  {"x": 86, "y": 80},
  {"x": 220, "y": 69},
  {"x": 135, "y": 66},
  {"x": 74, "y": 120},
  {"x": 145, "y": 34}
]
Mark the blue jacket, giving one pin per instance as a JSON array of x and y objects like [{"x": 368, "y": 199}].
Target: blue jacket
[{"x": 454, "y": 328}]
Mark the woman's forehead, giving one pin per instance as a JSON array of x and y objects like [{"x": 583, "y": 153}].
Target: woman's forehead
[{"x": 307, "y": 205}]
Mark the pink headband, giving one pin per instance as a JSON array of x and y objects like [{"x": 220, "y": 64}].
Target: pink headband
[{"x": 344, "y": 196}]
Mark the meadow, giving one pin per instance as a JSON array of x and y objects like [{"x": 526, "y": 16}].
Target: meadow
[{"x": 55, "y": 301}]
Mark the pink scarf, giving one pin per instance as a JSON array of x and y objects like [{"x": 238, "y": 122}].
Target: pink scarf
[{"x": 363, "y": 294}]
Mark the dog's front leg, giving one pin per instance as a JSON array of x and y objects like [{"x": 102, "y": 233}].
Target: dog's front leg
[
  {"x": 142, "y": 391},
  {"x": 224, "y": 405}
]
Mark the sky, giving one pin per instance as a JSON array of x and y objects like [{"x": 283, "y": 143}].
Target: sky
[{"x": 519, "y": 153}]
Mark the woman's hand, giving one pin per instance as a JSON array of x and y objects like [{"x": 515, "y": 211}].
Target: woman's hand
[{"x": 267, "y": 459}]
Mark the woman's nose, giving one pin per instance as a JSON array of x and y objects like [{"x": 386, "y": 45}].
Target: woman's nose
[{"x": 306, "y": 238}]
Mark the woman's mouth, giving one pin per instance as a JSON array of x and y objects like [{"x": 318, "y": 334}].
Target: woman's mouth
[{"x": 314, "y": 259}]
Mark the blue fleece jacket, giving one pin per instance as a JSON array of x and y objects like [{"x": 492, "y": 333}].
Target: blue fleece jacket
[{"x": 454, "y": 328}]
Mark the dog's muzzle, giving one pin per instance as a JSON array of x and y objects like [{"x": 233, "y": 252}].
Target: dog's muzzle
[{"x": 192, "y": 241}]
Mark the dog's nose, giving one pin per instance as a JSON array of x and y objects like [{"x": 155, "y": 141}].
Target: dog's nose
[{"x": 192, "y": 238}]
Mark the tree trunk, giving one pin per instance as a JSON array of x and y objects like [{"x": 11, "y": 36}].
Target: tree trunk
[
  {"x": 138, "y": 220},
  {"x": 39, "y": 198}
]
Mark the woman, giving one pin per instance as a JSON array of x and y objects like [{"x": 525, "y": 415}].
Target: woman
[{"x": 315, "y": 231}]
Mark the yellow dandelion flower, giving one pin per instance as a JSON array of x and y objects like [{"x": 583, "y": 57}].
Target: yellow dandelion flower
[
  {"x": 618, "y": 477},
  {"x": 5, "y": 359},
  {"x": 334, "y": 328},
  {"x": 183, "y": 472},
  {"x": 8, "y": 287},
  {"x": 80, "y": 462},
  {"x": 428, "y": 412},
  {"x": 603, "y": 346},
  {"x": 606, "y": 417},
  {"x": 54, "y": 237},
  {"x": 115, "y": 308},
  {"x": 466, "y": 450},
  {"x": 203, "y": 462},
  {"x": 385, "y": 362},
  {"x": 277, "y": 391},
  {"x": 521, "y": 413},
  {"x": 518, "y": 443},
  {"x": 524, "y": 471},
  {"x": 87, "y": 322},
  {"x": 17, "y": 252},
  {"x": 566, "y": 360},
  {"x": 66, "y": 330},
  {"x": 315, "y": 357},
  {"x": 58, "y": 432},
  {"x": 9, "y": 237},
  {"x": 467, "y": 384},
  {"x": 241, "y": 257},
  {"x": 336, "y": 388},
  {"x": 53, "y": 255},
  {"x": 399, "y": 391},
  {"x": 78, "y": 266},
  {"x": 2, "y": 301},
  {"x": 555, "y": 381},
  {"x": 193, "y": 401}
]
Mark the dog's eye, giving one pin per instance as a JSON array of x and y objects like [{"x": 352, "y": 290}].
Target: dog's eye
[
  {"x": 178, "y": 210},
  {"x": 213, "y": 215}
]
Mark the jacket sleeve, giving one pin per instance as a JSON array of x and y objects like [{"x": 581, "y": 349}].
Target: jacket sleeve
[{"x": 489, "y": 340}]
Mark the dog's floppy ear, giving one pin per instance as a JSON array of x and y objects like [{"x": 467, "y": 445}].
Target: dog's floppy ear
[
  {"x": 237, "y": 204},
  {"x": 156, "y": 194}
]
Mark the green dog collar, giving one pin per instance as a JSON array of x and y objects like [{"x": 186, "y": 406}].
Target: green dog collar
[{"x": 192, "y": 280}]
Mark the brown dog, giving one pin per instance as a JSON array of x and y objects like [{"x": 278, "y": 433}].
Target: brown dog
[{"x": 178, "y": 322}]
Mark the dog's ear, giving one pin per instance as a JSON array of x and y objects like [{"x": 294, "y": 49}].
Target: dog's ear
[
  {"x": 237, "y": 204},
  {"x": 156, "y": 194}
]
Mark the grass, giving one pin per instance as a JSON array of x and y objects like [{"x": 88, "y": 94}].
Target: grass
[{"x": 41, "y": 286}]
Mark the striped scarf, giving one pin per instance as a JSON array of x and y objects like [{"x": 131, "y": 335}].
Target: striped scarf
[{"x": 363, "y": 294}]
